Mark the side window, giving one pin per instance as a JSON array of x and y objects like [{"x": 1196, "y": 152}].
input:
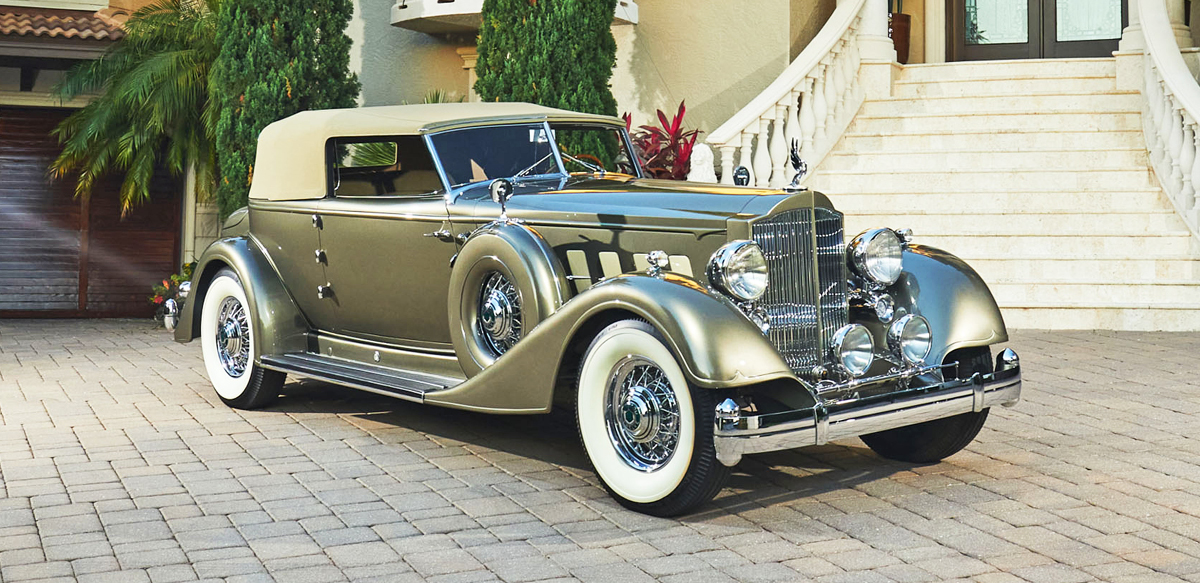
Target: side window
[{"x": 394, "y": 166}]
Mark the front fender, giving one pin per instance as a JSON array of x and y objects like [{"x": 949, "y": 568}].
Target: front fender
[
  {"x": 952, "y": 297},
  {"x": 716, "y": 345},
  {"x": 278, "y": 323}
]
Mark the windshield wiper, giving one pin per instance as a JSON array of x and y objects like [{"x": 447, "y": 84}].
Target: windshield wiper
[
  {"x": 594, "y": 168},
  {"x": 534, "y": 165}
]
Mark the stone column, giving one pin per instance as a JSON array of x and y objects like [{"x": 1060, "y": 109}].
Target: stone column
[
  {"x": 1183, "y": 35},
  {"x": 1131, "y": 38},
  {"x": 876, "y": 50},
  {"x": 469, "y": 55}
]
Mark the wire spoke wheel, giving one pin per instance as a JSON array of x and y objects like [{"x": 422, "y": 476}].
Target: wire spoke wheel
[
  {"x": 233, "y": 337},
  {"x": 500, "y": 323},
  {"x": 642, "y": 414}
]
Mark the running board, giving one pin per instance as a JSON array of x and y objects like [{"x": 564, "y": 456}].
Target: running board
[{"x": 403, "y": 384}]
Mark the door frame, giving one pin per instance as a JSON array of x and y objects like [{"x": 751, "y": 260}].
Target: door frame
[{"x": 1041, "y": 44}]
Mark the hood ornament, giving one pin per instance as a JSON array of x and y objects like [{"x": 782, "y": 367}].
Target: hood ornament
[{"x": 799, "y": 166}]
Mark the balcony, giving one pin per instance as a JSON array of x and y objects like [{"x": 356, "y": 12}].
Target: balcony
[{"x": 462, "y": 16}]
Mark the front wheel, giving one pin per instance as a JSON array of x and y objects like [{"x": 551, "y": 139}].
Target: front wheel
[
  {"x": 227, "y": 341},
  {"x": 647, "y": 431},
  {"x": 936, "y": 440}
]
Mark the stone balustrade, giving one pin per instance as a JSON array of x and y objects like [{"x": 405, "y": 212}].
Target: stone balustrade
[
  {"x": 1171, "y": 114},
  {"x": 812, "y": 101}
]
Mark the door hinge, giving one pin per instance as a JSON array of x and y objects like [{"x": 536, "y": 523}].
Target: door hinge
[{"x": 325, "y": 291}]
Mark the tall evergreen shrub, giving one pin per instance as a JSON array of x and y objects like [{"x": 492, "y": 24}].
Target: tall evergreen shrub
[
  {"x": 557, "y": 53},
  {"x": 278, "y": 57}
]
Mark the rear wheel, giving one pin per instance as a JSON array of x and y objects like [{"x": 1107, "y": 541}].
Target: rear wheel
[
  {"x": 228, "y": 343},
  {"x": 647, "y": 431},
  {"x": 936, "y": 440}
]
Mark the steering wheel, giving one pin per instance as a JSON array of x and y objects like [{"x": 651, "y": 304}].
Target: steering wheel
[{"x": 592, "y": 159}]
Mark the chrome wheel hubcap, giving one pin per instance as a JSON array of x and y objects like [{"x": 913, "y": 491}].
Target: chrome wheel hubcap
[
  {"x": 642, "y": 414},
  {"x": 233, "y": 337},
  {"x": 499, "y": 313}
]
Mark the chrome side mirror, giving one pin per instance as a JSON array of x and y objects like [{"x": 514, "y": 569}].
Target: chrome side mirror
[
  {"x": 741, "y": 176},
  {"x": 501, "y": 190}
]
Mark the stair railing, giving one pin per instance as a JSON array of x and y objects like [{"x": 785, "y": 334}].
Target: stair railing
[
  {"x": 1171, "y": 118},
  {"x": 812, "y": 102}
]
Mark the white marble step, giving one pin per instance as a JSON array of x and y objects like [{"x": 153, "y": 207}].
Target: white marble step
[
  {"x": 1008, "y": 70},
  {"x": 1123, "y": 316},
  {"x": 885, "y": 181},
  {"x": 984, "y": 159},
  {"x": 1001, "y": 265},
  {"x": 1046, "y": 245},
  {"x": 1124, "y": 102},
  {"x": 1153, "y": 293},
  {"x": 990, "y": 200},
  {"x": 997, "y": 122},
  {"x": 1030, "y": 140},
  {"x": 966, "y": 222},
  {"x": 1020, "y": 86}
]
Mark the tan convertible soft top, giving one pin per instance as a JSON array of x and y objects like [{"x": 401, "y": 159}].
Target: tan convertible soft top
[{"x": 290, "y": 162}]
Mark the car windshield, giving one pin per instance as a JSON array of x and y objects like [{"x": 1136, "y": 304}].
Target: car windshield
[
  {"x": 515, "y": 151},
  {"x": 486, "y": 153},
  {"x": 593, "y": 148}
]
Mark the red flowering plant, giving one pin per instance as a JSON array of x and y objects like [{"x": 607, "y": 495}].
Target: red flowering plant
[
  {"x": 168, "y": 289},
  {"x": 666, "y": 151}
]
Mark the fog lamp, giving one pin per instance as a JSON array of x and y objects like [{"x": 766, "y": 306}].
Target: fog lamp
[
  {"x": 910, "y": 338},
  {"x": 854, "y": 348}
]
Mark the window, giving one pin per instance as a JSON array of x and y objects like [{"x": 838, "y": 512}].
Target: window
[
  {"x": 487, "y": 153},
  {"x": 398, "y": 166}
]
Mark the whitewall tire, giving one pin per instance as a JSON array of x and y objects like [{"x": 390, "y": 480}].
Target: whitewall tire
[
  {"x": 646, "y": 430},
  {"x": 227, "y": 341}
]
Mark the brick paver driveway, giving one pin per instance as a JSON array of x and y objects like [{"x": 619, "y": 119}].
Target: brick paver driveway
[{"x": 119, "y": 464}]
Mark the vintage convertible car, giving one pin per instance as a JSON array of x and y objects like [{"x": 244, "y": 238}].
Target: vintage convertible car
[{"x": 505, "y": 257}]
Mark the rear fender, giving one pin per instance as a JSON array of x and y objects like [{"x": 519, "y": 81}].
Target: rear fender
[{"x": 278, "y": 324}]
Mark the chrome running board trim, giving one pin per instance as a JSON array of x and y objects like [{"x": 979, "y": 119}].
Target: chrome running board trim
[{"x": 407, "y": 385}]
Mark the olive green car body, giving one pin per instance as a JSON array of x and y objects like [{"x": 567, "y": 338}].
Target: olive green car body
[{"x": 400, "y": 294}]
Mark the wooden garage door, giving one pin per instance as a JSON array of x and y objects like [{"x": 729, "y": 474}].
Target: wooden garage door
[{"x": 65, "y": 257}]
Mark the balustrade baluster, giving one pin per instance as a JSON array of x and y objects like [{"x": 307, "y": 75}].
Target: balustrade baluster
[
  {"x": 1187, "y": 161},
  {"x": 839, "y": 84},
  {"x": 779, "y": 151},
  {"x": 1195, "y": 172},
  {"x": 1164, "y": 123},
  {"x": 1175, "y": 145},
  {"x": 818, "y": 107},
  {"x": 849, "y": 73},
  {"x": 830, "y": 104},
  {"x": 791, "y": 130},
  {"x": 808, "y": 120},
  {"x": 747, "y": 159},
  {"x": 855, "y": 61},
  {"x": 727, "y": 153},
  {"x": 762, "y": 153}
]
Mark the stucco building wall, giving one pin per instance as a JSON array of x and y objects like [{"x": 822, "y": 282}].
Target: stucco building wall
[
  {"x": 397, "y": 65},
  {"x": 715, "y": 54}
]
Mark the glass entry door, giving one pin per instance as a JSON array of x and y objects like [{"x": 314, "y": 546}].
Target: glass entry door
[{"x": 1032, "y": 29}]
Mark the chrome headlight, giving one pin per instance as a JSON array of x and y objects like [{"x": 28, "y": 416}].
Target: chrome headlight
[
  {"x": 875, "y": 255},
  {"x": 854, "y": 348},
  {"x": 739, "y": 269},
  {"x": 910, "y": 338}
]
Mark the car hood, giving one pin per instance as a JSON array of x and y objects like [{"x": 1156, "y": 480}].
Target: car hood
[{"x": 620, "y": 201}]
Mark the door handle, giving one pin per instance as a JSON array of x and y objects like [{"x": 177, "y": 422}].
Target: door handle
[{"x": 442, "y": 235}]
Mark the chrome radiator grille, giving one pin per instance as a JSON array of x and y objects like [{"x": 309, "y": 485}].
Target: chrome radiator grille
[{"x": 807, "y": 298}]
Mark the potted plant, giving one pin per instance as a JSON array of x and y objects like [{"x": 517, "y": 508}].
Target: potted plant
[{"x": 899, "y": 28}]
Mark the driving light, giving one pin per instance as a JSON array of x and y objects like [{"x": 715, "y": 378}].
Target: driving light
[
  {"x": 854, "y": 348},
  {"x": 740, "y": 270},
  {"x": 910, "y": 338},
  {"x": 875, "y": 255}
]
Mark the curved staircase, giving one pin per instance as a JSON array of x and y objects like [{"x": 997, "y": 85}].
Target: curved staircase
[{"x": 1035, "y": 172}]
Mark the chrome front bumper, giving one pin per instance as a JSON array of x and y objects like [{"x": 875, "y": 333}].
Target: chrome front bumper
[{"x": 737, "y": 433}]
